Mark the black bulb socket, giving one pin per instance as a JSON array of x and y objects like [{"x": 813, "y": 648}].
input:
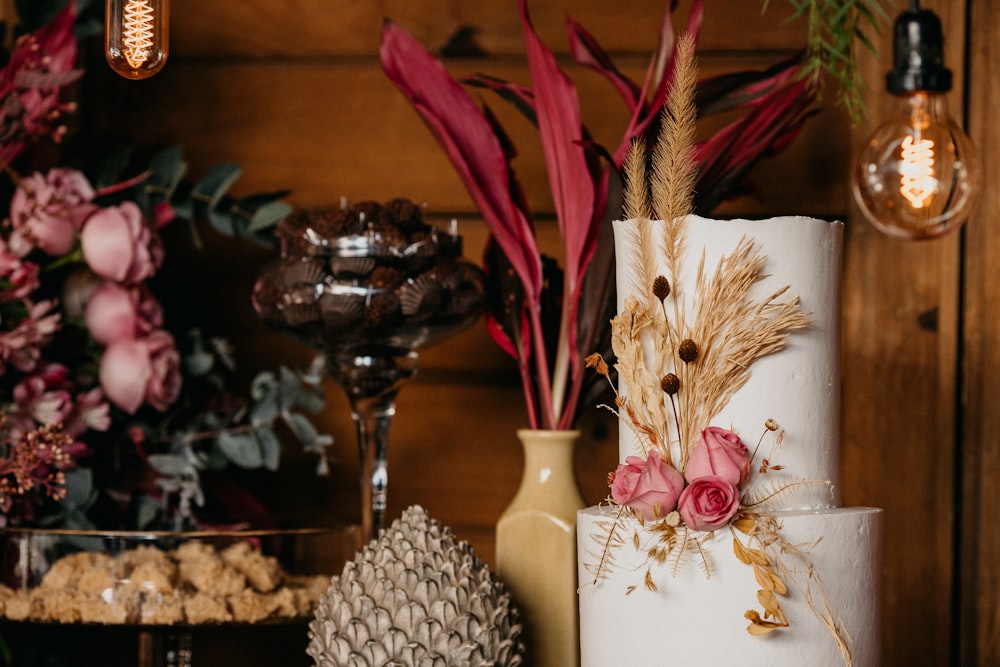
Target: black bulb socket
[{"x": 918, "y": 43}]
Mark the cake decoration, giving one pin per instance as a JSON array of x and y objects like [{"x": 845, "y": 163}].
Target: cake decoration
[{"x": 683, "y": 349}]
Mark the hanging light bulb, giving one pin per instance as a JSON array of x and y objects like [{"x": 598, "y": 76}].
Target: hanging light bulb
[
  {"x": 135, "y": 36},
  {"x": 918, "y": 176}
]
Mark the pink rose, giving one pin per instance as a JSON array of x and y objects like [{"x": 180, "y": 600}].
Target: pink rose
[
  {"x": 118, "y": 244},
  {"x": 114, "y": 313},
  {"x": 47, "y": 211},
  {"x": 721, "y": 453},
  {"x": 708, "y": 503},
  {"x": 650, "y": 487},
  {"x": 144, "y": 370}
]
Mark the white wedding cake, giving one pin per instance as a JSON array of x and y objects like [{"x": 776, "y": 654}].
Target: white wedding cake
[{"x": 727, "y": 341}]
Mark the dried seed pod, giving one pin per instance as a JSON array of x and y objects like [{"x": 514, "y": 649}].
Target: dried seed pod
[
  {"x": 670, "y": 383},
  {"x": 661, "y": 287},
  {"x": 687, "y": 350}
]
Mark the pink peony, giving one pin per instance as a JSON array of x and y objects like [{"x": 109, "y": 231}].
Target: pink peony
[
  {"x": 708, "y": 503},
  {"x": 114, "y": 313},
  {"x": 47, "y": 211},
  {"x": 650, "y": 487},
  {"x": 144, "y": 370},
  {"x": 119, "y": 245},
  {"x": 721, "y": 453}
]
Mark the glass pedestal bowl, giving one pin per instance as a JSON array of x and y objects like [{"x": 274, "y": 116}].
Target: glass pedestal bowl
[
  {"x": 160, "y": 589},
  {"x": 369, "y": 286}
]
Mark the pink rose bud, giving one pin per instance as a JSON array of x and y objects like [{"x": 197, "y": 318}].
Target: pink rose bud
[
  {"x": 47, "y": 211},
  {"x": 145, "y": 370},
  {"x": 721, "y": 453},
  {"x": 708, "y": 503},
  {"x": 114, "y": 313},
  {"x": 649, "y": 487},
  {"x": 119, "y": 245}
]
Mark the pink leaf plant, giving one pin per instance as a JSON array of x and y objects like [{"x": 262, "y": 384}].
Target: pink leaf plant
[{"x": 546, "y": 319}]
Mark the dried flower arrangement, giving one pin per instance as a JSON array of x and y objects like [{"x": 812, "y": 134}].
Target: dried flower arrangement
[
  {"x": 107, "y": 418},
  {"x": 545, "y": 316},
  {"x": 680, "y": 369}
]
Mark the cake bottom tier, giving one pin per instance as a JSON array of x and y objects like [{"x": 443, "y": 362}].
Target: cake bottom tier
[{"x": 691, "y": 619}]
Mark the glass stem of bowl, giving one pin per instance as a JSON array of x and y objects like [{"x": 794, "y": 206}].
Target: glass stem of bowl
[
  {"x": 372, "y": 417},
  {"x": 372, "y": 378}
]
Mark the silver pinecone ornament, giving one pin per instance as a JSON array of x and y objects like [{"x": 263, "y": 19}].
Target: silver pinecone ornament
[{"x": 416, "y": 597}]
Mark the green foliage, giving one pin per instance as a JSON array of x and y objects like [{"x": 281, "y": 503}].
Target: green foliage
[
  {"x": 214, "y": 434},
  {"x": 834, "y": 28}
]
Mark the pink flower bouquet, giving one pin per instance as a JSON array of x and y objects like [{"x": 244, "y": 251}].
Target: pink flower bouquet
[{"x": 104, "y": 411}]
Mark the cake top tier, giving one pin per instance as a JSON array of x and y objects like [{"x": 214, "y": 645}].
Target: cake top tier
[{"x": 733, "y": 324}]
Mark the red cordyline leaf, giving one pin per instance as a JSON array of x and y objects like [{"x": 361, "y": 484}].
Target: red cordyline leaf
[
  {"x": 586, "y": 51},
  {"x": 467, "y": 138},
  {"x": 480, "y": 158},
  {"x": 571, "y": 182},
  {"x": 646, "y": 116},
  {"x": 561, "y": 130},
  {"x": 730, "y": 91},
  {"x": 774, "y": 121}
]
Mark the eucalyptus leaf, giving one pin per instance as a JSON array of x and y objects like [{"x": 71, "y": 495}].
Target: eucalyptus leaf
[
  {"x": 242, "y": 449},
  {"x": 270, "y": 447},
  {"x": 263, "y": 384},
  {"x": 268, "y": 215},
  {"x": 168, "y": 170},
  {"x": 147, "y": 510},
  {"x": 199, "y": 362},
  {"x": 311, "y": 399},
  {"x": 228, "y": 223},
  {"x": 79, "y": 487},
  {"x": 301, "y": 427},
  {"x": 266, "y": 410},
  {"x": 170, "y": 465},
  {"x": 211, "y": 188}
]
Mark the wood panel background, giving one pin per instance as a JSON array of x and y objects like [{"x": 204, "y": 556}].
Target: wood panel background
[{"x": 293, "y": 91}]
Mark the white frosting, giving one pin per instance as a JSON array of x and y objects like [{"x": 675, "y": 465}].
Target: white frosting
[
  {"x": 797, "y": 387},
  {"x": 691, "y": 620},
  {"x": 694, "y": 620}
]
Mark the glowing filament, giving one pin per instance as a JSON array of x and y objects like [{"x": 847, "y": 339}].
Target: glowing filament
[
  {"x": 137, "y": 32},
  {"x": 916, "y": 171}
]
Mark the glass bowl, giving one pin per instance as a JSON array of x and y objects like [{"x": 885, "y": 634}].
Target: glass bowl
[
  {"x": 370, "y": 277},
  {"x": 168, "y": 578}
]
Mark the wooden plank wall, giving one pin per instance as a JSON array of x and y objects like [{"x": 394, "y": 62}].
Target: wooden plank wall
[{"x": 293, "y": 91}]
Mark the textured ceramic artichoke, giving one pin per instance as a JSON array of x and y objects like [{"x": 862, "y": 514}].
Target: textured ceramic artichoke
[{"x": 416, "y": 597}]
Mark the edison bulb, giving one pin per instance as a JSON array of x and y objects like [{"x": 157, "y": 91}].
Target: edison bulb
[
  {"x": 918, "y": 176},
  {"x": 136, "y": 36}
]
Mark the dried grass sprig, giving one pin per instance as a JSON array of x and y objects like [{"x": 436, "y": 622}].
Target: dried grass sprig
[
  {"x": 674, "y": 165},
  {"x": 787, "y": 562},
  {"x": 675, "y": 168},
  {"x": 733, "y": 330},
  {"x": 648, "y": 411},
  {"x": 636, "y": 204}
]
